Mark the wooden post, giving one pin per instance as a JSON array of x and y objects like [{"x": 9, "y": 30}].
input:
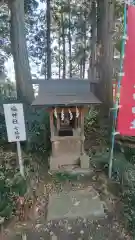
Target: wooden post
[
  {"x": 52, "y": 128},
  {"x": 24, "y": 237},
  {"x": 76, "y": 122},
  {"x": 82, "y": 131},
  {"x": 19, "y": 152},
  {"x": 51, "y": 124},
  {"x": 2, "y": 227},
  {"x": 58, "y": 123}
]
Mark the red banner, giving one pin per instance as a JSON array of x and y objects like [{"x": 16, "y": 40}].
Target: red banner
[{"x": 126, "y": 115}]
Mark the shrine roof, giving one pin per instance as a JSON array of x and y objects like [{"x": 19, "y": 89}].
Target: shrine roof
[{"x": 65, "y": 92}]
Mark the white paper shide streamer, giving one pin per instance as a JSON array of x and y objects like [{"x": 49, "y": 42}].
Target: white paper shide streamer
[
  {"x": 62, "y": 115},
  {"x": 77, "y": 112},
  {"x": 55, "y": 112},
  {"x": 70, "y": 114}
]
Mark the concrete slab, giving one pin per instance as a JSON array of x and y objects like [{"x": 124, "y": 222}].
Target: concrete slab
[{"x": 81, "y": 203}]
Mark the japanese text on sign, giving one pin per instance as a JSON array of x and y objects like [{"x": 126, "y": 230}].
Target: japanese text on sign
[
  {"x": 15, "y": 122},
  {"x": 126, "y": 114},
  {"x": 132, "y": 123},
  {"x": 14, "y": 118}
]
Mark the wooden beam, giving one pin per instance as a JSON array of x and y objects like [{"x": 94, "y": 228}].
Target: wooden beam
[
  {"x": 73, "y": 109},
  {"x": 40, "y": 81}
]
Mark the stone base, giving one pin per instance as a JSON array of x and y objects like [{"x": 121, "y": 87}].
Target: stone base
[
  {"x": 81, "y": 203},
  {"x": 53, "y": 164},
  {"x": 57, "y": 163},
  {"x": 85, "y": 161},
  {"x": 73, "y": 170},
  {"x": 64, "y": 160}
]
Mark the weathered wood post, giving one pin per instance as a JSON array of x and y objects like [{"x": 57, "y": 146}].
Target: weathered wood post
[
  {"x": 2, "y": 219},
  {"x": 24, "y": 237}
]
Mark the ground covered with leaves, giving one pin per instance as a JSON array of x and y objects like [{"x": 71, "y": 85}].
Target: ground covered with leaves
[{"x": 37, "y": 227}]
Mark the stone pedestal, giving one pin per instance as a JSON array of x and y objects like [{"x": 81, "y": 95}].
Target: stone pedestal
[
  {"x": 56, "y": 163},
  {"x": 53, "y": 164},
  {"x": 64, "y": 160},
  {"x": 84, "y": 161}
]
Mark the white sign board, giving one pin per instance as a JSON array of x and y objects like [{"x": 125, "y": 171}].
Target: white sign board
[{"x": 14, "y": 117}]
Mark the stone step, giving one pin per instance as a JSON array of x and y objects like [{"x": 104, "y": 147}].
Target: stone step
[
  {"x": 84, "y": 203},
  {"x": 73, "y": 170}
]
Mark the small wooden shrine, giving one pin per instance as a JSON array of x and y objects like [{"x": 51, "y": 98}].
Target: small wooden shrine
[{"x": 67, "y": 102}]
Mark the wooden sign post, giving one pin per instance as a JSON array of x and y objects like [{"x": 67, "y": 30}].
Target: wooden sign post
[{"x": 14, "y": 117}]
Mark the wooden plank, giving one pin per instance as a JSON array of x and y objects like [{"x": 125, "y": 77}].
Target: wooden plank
[
  {"x": 42, "y": 81},
  {"x": 65, "y": 138},
  {"x": 73, "y": 109},
  {"x": 66, "y": 109}
]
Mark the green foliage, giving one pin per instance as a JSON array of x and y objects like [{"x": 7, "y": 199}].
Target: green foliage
[
  {"x": 119, "y": 9},
  {"x": 118, "y": 45},
  {"x": 129, "y": 201},
  {"x": 37, "y": 127},
  {"x": 38, "y": 130},
  {"x": 3, "y": 132},
  {"x": 91, "y": 118},
  {"x": 30, "y": 6},
  {"x": 11, "y": 184},
  {"x": 129, "y": 154},
  {"x": 95, "y": 132},
  {"x": 5, "y": 45},
  {"x": 124, "y": 172},
  {"x": 129, "y": 188},
  {"x": 4, "y": 36}
]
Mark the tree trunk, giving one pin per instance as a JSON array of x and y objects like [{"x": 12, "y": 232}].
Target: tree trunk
[
  {"x": 48, "y": 36},
  {"x": 106, "y": 52},
  {"x": 100, "y": 20},
  {"x": 63, "y": 44},
  {"x": 92, "y": 60},
  {"x": 19, "y": 51},
  {"x": 81, "y": 68},
  {"x": 44, "y": 64},
  {"x": 84, "y": 49},
  {"x": 45, "y": 67},
  {"x": 69, "y": 40},
  {"x": 100, "y": 29},
  {"x": 59, "y": 55},
  {"x": 83, "y": 41}
]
